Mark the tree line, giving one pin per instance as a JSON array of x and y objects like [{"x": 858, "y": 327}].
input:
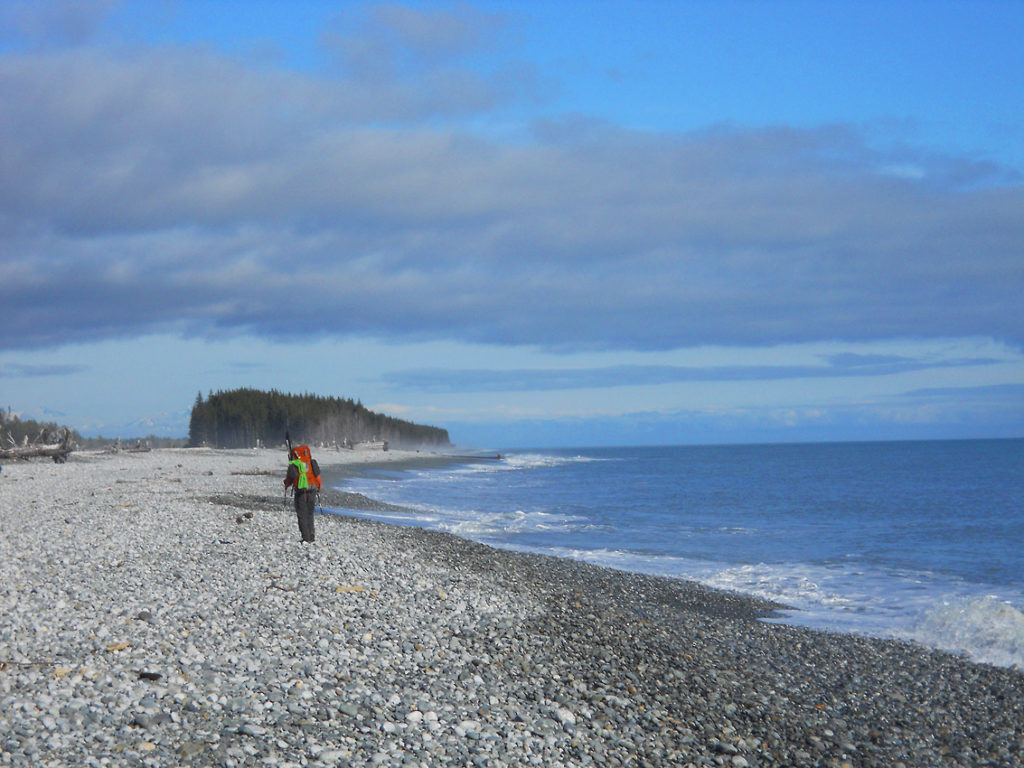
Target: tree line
[
  {"x": 15, "y": 430},
  {"x": 242, "y": 418}
]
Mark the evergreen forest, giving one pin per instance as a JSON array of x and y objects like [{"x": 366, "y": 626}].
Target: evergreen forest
[{"x": 243, "y": 418}]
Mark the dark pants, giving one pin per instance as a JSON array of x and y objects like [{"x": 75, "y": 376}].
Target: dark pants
[{"x": 304, "y": 503}]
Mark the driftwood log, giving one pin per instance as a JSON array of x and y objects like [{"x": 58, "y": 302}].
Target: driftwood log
[
  {"x": 117, "y": 447},
  {"x": 57, "y": 451}
]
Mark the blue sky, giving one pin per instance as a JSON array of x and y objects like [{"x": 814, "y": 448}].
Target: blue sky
[{"x": 531, "y": 223}]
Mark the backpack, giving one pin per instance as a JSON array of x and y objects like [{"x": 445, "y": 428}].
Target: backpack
[{"x": 303, "y": 455}]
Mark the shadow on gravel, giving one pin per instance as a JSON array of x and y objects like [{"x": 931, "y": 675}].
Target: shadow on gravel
[{"x": 329, "y": 498}]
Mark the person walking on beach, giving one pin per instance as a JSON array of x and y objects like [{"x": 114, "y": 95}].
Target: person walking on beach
[{"x": 304, "y": 476}]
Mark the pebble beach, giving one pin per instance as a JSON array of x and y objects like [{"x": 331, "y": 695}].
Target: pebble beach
[{"x": 159, "y": 609}]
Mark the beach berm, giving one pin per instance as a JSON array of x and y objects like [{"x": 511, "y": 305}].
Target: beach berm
[{"x": 160, "y": 609}]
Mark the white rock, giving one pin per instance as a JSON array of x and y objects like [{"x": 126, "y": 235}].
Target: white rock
[{"x": 565, "y": 716}]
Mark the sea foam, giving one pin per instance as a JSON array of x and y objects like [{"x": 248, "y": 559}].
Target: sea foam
[{"x": 984, "y": 629}]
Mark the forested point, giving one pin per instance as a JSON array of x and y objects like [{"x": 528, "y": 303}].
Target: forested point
[{"x": 243, "y": 418}]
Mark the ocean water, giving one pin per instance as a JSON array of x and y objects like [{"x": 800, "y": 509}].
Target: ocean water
[{"x": 913, "y": 540}]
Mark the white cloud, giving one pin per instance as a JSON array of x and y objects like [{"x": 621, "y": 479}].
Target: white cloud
[
  {"x": 175, "y": 190},
  {"x": 209, "y": 181}
]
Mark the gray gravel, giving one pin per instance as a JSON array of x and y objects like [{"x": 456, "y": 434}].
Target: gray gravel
[{"x": 160, "y": 610}]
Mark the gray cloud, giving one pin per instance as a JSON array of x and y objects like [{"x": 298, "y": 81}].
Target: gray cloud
[
  {"x": 991, "y": 394},
  {"x": 31, "y": 371},
  {"x": 521, "y": 380},
  {"x": 383, "y": 38},
  {"x": 174, "y": 189},
  {"x": 53, "y": 22}
]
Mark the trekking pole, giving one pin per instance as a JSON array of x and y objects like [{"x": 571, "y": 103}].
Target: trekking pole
[{"x": 288, "y": 441}]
